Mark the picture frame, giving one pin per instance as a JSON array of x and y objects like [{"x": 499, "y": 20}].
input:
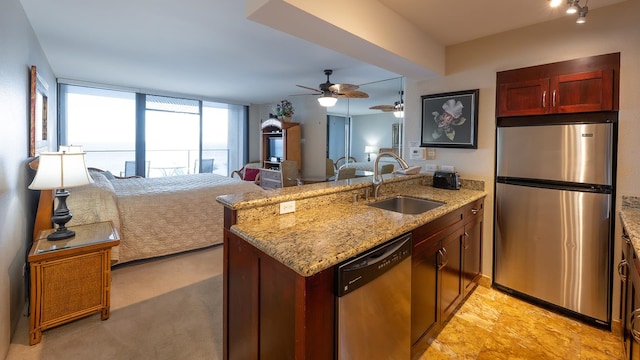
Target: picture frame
[
  {"x": 39, "y": 110},
  {"x": 450, "y": 120}
]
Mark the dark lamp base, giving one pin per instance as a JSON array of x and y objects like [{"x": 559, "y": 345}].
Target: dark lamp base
[{"x": 61, "y": 234}]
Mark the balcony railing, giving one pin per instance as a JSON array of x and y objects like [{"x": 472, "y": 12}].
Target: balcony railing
[{"x": 160, "y": 162}]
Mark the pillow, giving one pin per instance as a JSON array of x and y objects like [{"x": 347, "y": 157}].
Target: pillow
[
  {"x": 94, "y": 202},
  {"x": 250, "y": 174}
]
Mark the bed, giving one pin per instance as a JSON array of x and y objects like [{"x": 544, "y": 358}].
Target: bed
[
  {"x": 154, "y": 216},
  {"x": 368, "y": 165}
]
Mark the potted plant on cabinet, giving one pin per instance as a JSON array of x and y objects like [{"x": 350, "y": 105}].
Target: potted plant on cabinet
[{"x": 284, "y": 110}]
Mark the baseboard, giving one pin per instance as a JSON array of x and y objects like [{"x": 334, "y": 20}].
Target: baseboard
[{"x": 484, "y": 281}]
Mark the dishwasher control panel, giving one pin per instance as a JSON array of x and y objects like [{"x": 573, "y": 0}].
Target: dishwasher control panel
[{"x": 357, "y": 272}]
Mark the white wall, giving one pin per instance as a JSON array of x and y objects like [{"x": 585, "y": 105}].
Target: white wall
[
  {"x": 474, "y": 65},
  {"x": 20, "y": 50},
  {"x": 313, "y": 121},
  {"x": 374, "y": 130}
]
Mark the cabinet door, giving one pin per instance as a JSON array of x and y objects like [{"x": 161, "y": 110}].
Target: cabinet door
[
  {"x": 625, "y": 300},
  {"x": 523, "y": 98},
  {"x": 425, "y": 261},
  {"x": 472, "y": 254},
  {"x": 632, "y": 345},
  {"x": 451, "y": 274},
  {"x": 582, "y": 92}
]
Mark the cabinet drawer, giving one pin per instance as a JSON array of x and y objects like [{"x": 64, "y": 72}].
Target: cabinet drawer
[{"x": 474, "y": 210}]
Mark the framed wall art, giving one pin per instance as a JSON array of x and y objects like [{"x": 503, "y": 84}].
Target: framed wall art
[
  {"x": 38, "y": 138},
  {"x": 450, "y": 120}
]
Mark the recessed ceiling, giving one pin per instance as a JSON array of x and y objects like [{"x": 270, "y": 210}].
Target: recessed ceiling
[{"x": 208, "y": 49}]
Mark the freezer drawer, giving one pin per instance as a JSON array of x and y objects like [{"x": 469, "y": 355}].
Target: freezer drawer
[
  {"x": 579, "y": 153},
  {"x": 554, "y": 245}
]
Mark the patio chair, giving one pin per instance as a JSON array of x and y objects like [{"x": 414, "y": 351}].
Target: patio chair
[
  {"x": 207, "y": 166},
  {"x": 346, "y": 173}
]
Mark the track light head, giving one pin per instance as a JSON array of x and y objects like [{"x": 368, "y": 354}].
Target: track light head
[{"x": 582, "y": 13}]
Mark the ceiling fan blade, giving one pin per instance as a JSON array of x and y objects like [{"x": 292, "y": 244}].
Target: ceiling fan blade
[
  {"x": 308, "y": 88},
  {"x": 385, "y": 108},
  {"x": 342, "y": 88},
  {"x": 357, "y": 94}
]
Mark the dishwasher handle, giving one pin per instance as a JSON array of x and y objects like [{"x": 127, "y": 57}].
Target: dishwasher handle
[{"x": 359, "y": 271}]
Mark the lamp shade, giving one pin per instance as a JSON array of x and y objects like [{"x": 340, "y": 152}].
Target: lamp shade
[
  {"x": 327, "y": 101},
  {"x": 61, "y": 170},
  {"x": 70, "y": 148},
  {"x": 370, "y": 149}
]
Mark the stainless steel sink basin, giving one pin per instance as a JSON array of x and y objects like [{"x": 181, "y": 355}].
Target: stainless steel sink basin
[{"x": 406, "y": 204}]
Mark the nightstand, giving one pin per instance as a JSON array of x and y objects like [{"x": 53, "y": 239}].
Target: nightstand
[{"x": 70, "y": 278}]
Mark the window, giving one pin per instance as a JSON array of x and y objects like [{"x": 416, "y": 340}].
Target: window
[
  {"x": 103, "y": 122},
  {"x": 177, "y": 136}
]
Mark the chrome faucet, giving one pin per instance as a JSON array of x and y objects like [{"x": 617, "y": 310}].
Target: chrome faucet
[{"x": 377, "y": 177}]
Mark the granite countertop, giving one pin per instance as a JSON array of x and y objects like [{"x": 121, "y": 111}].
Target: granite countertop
[
  {"x": 315, "y": 239},
  {"x": 630, "y": 216}
]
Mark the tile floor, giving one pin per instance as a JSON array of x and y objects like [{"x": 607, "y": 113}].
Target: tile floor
[{"x": 493, "y": 325}]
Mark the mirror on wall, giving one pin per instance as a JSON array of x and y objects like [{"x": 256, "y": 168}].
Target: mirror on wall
[{"x": 356, "y": 131}]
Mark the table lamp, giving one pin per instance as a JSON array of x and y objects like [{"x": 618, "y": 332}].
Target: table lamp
[
  {"x": 369, "y": 149},
  {"x": 59, "y": 171}
]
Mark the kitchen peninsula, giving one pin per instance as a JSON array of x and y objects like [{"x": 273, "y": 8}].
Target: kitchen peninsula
[{"x": 279, "y": 277}]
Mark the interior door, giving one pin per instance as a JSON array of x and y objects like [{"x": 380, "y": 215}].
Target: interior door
[{"x": 337, "y": 138}]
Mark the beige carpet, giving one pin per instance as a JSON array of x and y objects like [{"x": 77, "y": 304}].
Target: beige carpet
[{"x": 169, "y": 308}]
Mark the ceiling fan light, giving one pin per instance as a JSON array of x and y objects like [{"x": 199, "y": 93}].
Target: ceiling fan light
[
  {"x": 398, "y": 113},
  {"x": 327, "y": 101}
]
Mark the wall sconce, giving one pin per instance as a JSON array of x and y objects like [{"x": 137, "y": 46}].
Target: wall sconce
[
  {"x": 369, "y": 149},
  {"x": 59, "y": 171}
]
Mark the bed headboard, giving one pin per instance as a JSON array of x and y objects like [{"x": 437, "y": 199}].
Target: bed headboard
[{"x": 45, "y": 207}]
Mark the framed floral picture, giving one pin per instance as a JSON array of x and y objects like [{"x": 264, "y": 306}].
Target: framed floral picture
[{"x": 450, "y": 120}]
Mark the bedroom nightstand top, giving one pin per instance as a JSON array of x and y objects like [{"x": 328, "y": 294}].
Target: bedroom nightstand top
[{"x": 94, "y": 236}]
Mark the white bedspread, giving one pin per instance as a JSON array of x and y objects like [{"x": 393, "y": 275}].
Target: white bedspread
[{"x": 158, "y": 216}]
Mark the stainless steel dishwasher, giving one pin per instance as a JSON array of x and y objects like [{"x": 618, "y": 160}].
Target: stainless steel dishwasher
[{"x": 374, "y": 303}]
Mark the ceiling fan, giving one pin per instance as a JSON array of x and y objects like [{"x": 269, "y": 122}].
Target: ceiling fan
[
  {"x": 397, "y": 107},
  {"x": 330, "y": 92}
]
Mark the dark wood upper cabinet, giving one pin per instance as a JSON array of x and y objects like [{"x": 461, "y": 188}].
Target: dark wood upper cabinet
[{"x": 581, "y": 85}]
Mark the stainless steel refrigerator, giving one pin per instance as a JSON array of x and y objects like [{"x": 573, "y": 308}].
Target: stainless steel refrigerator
[{"x": 553, "y": 220}]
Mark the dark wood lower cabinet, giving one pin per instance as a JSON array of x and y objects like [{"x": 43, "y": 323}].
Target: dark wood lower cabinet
[
  {"x": 446, "y": 267},
  {"x": 271, "y": 312},
  {"x": 472, "y": 248},
  {"x": 629, "y": 270}
]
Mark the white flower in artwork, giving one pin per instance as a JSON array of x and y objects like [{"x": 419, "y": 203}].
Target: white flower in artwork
[{"x": 449, "y": 118}]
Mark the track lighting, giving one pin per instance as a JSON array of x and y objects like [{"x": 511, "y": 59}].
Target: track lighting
[
  {"x": 573, "y": 7},
  {"x": 582, "y": 12}
]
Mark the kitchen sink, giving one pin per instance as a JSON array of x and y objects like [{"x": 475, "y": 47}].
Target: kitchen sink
[{"x": 406, "y": 204}]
